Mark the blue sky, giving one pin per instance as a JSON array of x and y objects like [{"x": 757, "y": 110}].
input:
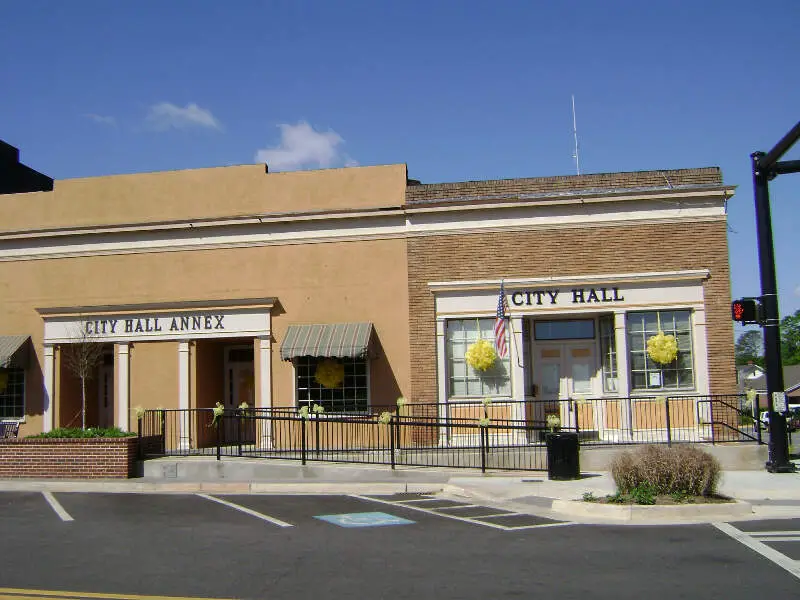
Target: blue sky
[{"x": 457, "y": 90}]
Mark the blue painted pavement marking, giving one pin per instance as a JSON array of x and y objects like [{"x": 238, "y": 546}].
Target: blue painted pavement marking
[{"x": 364, "y": 519}]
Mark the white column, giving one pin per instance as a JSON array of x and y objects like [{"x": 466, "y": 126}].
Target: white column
[
  {"x": 700, "y": 352},
  {"x": 701, "y": 379},
  {"x": 183, "y": 393},
  {"x": 122, "y": 379},
  {"x": 264, "y": 398},
  {"x": 441, "y": 379},
  {"x": 517, "y": 364},
  {"x": 623, "y": 375},
  {"x": 49, "y": 387}
]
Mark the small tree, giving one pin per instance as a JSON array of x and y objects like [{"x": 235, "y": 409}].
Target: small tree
[
  {"x": 750, "y": 348},
  {"x": 790, "y": 339},
  {"x": 81, "y": 359}
]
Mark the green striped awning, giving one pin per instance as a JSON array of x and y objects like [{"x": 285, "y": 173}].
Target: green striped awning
[
  {"x": 336, "y": 340},
  {"x": 14, "y": 351}
]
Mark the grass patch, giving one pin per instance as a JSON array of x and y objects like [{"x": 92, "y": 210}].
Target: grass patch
[
  {"x": 645, "y": 499},
  {"x": 77, "y": 432}
]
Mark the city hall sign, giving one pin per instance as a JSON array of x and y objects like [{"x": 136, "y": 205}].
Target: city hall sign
[
  {"x": 167, "y": 325},
  {"x": 556, "y": 297}
]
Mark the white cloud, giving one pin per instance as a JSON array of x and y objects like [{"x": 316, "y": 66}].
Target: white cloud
[
  {"x": 797, "y": 291},
  {"x": 303, "y": 147},
  {"x": 102, "y": 120},
  {"x": 165, "y": 115}
]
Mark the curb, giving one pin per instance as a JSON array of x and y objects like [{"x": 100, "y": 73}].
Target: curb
[
  {"x": 219, "y": 487},
  {"x": 685, "y": 513}
]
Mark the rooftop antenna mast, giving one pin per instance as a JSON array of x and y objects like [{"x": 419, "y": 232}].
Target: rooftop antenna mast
[{"x": 576, "y": 155}]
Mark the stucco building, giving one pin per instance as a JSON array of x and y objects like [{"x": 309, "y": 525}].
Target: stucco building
[{"x": 234, "y": 284}]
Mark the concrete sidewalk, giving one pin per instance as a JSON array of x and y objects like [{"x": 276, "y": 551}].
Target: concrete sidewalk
[{"x": 760, "y": 494}]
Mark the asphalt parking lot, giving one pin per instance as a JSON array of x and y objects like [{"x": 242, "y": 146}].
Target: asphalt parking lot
[{"x": 401, "y": 546}]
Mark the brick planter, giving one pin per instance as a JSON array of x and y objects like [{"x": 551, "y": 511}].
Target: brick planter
[{"x": 68, "y": 458}]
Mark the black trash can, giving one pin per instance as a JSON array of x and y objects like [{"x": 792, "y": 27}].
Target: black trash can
[{"x": 563, "y": 455}]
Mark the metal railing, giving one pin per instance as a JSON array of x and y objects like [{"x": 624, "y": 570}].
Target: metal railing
[
  {"x": 369, "y": 439},
  {"x": 620, "y": 420},
  {"x": 503, "y": 434}
]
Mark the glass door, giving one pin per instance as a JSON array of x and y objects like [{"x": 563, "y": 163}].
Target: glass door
[{"x": 563, "y": 371}]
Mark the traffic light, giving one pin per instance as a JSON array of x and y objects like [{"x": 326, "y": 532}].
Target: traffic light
[{"x": 746, "y": 310}]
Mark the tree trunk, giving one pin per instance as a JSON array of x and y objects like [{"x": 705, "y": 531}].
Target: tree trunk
[{"x": 83, "y": 403}]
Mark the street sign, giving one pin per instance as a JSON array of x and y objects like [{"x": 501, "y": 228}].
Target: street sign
[{"x": 779, "y": 402}]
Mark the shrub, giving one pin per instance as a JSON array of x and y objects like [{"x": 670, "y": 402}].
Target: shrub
[
  {"x": 644, "y": 493},
  {"x": 684, "y": 470},
  {"x": 77, "y": 432}
]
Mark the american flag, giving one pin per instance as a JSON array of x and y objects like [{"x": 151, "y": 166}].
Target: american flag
[{"x": 500, "y": 341}]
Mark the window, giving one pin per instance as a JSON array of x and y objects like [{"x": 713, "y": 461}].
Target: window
[
  {"x": 463, "y": 380},
  {"x": 647, "y": 374},
  {"x": 12, "y": 393},
  {"x": 575, "y": 329},
  {"x": 351, "y": 396},
  {"x": 608, "y": 350}
]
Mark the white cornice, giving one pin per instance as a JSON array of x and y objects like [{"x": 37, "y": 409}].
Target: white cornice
[
  {"x": 673, "y": 198},
  {"x": 535, "y": 282},
  {"x": 360, "y": 225}
]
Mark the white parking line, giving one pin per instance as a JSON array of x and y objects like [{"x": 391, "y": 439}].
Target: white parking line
[
  {"x": 767, "y": 552},
  {"x": 773, "y": 534},
  {"x": 56, "y": 506},
  {"x": 248, "y": 511},
  {"x": 421, "y": 500},
  {"x": 472, "y": 520}
]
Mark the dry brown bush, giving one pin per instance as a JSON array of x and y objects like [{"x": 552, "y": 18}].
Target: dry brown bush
[{"x": 676, "y": 470}]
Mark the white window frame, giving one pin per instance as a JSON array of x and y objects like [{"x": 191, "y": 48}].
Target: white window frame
[
  {"x": 486, "y": 327},
  {"x": 645, "y": 336},
  {"x": 20, "y": 418}
]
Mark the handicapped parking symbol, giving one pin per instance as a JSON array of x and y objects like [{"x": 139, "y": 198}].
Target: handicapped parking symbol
[{"x": 365, "y": 519}]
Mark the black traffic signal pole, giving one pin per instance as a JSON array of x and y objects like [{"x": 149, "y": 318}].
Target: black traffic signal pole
[{"x": 765, "y": 168}]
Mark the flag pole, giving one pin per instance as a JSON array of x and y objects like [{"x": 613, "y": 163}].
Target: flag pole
[
  {"x": 514, "y": 339},
  {"x": 510, "y": 325}
]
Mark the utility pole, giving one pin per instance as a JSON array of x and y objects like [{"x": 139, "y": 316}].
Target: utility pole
[{"x": 766, "y": 167}]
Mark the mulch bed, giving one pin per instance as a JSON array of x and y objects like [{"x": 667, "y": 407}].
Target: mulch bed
[{"x": 665, "y": 500}]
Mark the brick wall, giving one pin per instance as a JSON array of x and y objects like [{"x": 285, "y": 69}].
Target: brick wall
[
  {"x": 598, "y": 250},
  {"x": 53, "y": 458},
  {"x": 566, "y": 183}
]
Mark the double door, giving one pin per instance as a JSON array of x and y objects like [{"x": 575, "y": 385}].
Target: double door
[{"x": 562, "y": 371}]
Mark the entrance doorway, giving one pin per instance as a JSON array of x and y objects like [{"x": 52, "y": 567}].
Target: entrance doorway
[
  {"x": 239, "y": 388},
  {"x": 239, "y": 376},
  {"x": 564, "y": 368}
]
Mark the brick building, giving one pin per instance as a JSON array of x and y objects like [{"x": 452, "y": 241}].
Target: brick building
[{"x": 235, "y": 284}]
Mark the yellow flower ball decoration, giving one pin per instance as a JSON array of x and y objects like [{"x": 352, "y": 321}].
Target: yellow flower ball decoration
[
  {"x": 329, "y": 373},
  {"x": 481, "y": 355},
  {"x": 662, "y": 348}
]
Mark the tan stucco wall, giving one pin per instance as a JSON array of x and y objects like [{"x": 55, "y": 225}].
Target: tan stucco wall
[
  {"x": 313, "y": 283},
  {"x": 154, "y": 375},
  {"x": 201, "y": 193}
]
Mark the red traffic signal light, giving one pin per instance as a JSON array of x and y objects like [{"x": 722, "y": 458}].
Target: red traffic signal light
[{"x": 745, "y": 310}]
